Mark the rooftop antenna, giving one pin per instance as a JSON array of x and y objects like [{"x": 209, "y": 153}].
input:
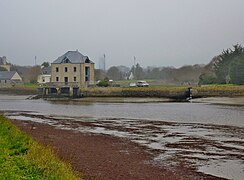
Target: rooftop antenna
[
  {"x": 104, "y": 56},
  {"x": 134, "y": 65}
]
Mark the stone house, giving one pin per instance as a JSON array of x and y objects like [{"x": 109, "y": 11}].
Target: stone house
[
  {"x": 4, "y": 64},
  {"x": 9, "y": 78},
  {"x": 72, "y": 69}
]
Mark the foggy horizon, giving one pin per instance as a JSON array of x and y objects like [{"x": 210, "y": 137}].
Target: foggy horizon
[{"x": 158, "y": 32}]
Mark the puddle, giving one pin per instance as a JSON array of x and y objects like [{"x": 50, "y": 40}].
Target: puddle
[{"x": 230, "y": 169}]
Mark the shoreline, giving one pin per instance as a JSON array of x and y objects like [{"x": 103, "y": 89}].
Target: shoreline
[
  {"x": 105, "y": 157},
  {"x": 230, "y": 101},
  {"x": 171, "y": 93}
]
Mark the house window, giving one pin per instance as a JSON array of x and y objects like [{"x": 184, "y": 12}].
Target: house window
[
  {"x": 65, "y": 60},
  {"x": 66, "y": 80},
  {"x": 87, "y": 60},
  {"x": 74, "y": 79},
  {"x": 74, "y": 69},
  {"x": 57, "y": 79},
  {"x": 5, "y": 81},
  {"x": 65, "y": 69},
  {"x": 57, "y": 69},
  {"x": 87, "y": 74}
]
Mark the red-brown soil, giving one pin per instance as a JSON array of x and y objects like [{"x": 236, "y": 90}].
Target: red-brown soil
[{"x": 104, "y": 157}]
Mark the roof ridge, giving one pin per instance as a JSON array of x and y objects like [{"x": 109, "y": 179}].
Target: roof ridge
[{"x": 73, "y": 56}]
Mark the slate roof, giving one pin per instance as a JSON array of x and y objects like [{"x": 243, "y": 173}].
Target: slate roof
[
  {"x": 1, "y": 61},
  {"x": 47, "y": 70},
  {"x": 73, "y": 57},
  {"x": 6, "y": 75}
]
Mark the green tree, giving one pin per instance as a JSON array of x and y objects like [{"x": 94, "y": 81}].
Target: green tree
[
  {"x": 223, "y": 61},
  {"x": 236, "y": 70},
  {"x": 114, "y": 73},
  {"x": 46, "y": 64},
  {"x": 138, "y": 72},
  {"x": 33, "y": 74},
  {"x": 207, "y": 78},
  {"x": 103, "y": 83},
  {"x": 99, "y": 74}
]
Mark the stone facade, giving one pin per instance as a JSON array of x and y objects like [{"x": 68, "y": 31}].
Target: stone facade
[{"x": 72, "y": 69}]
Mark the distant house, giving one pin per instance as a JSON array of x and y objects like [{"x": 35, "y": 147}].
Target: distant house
[
  {"x": 72, "y": 69},
  {"x": 131, "y": 76},
  {"x": 9, "y": 78},
  {"x": 45, "y": 76},
  {"x": 4, "y": 63}
]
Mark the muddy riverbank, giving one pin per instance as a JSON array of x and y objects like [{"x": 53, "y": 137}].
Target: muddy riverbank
[
  {"x": 199, "y": 150},
  {"x": 106, "y": 157},
  {"x": 202, "y": 138}
]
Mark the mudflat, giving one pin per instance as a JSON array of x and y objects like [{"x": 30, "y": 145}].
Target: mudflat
[{"x": 103, "y": 156}]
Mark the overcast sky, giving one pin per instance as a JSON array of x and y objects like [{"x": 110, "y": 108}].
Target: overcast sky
[{"x": 157, "y": 32}]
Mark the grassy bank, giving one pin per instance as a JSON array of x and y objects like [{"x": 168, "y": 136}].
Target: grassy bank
[
  {"x": 152, "y": 91},
  {"x": 135, "y": 92},
  {"x": 218, "y": 91},
  {"x": 23, "y": 158},
  {"x": 23, "y": 89},
  {"x": 167, "y": 92}
]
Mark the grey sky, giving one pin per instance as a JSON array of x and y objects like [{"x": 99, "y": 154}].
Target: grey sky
[{"x": 157, "y": 32}]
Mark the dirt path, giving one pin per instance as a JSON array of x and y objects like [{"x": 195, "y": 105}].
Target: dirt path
[{"x": 104, "y": 157}]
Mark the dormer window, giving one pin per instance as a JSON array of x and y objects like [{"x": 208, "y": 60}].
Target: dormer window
[
  {"x": 87, "y": 60},
  {"x": 66, "y": 60}
]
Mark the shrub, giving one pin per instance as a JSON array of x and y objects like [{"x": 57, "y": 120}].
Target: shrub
[
  {"x": 207, "y": 79},
  {"x": 103, "y": 83}
]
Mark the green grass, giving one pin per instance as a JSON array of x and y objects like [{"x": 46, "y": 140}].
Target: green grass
[
  {"x": 23, "y": 158},
  {"x": 28, "y": 86},
  {"x": 220, "y": 85}
]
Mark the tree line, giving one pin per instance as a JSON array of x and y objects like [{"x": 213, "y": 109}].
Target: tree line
[
  {"x": 186, "y": 74},
  {"x": 226, "y": 68}
]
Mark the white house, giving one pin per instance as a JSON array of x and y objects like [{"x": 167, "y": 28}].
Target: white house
[{"x": 45, "y": 76}]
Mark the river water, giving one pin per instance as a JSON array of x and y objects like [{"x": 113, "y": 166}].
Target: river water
[{"x": 209, "y": 137}]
